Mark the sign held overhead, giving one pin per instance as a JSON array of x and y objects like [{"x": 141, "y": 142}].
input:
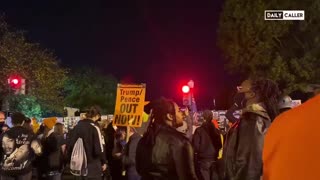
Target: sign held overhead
[{"x": 130, "y": 103}]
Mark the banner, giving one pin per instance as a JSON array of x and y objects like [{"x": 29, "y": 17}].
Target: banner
[
  {"x": 129, "y": 105},
  {"x": 70, "y": 122}
]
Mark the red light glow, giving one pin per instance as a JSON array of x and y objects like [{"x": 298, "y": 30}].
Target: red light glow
[
  {"x": 15, "y": 81},
  {"x": 185, "y": 89}
]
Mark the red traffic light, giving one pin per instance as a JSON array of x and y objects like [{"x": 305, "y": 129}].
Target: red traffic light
[
  {"x": 15, "y": 82},
  {"x": 185, "y": 89}
]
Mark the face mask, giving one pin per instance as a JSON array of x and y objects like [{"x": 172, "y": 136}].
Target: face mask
[{"x": 240, "y": 100}]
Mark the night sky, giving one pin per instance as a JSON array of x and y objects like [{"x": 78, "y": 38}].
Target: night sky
[{"x": 162, "y": 43}]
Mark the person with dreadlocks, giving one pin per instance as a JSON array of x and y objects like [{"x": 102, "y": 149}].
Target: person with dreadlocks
[
  {"x": 245, "y": 139},
  {"x": 163, "y": 152}
]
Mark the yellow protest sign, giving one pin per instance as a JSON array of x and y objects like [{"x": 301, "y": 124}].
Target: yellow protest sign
[{"x": 129, "y": 105}]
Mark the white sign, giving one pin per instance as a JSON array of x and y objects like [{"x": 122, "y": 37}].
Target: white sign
[{"x": 284, "y": 15}]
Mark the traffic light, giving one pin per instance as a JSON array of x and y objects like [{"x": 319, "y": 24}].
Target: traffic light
[
  {"x": 185, "y": 89},
  {"x": 187, "y": 95},
  {"x": 17, "y": 84}
]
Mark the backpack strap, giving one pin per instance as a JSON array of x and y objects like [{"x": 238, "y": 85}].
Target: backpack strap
[{"x": 100, "y": 137}]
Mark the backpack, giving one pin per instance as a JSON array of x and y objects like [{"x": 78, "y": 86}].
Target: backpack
[{"x": 78, "y": 163}]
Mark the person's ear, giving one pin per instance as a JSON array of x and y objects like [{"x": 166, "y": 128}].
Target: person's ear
[{"x": 170, "y": 117}]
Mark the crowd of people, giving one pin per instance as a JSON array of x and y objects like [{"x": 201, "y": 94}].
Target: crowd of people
[{"x": 255, "y": 146}]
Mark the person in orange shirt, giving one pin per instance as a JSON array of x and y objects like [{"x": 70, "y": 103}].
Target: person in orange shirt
[{"x": 292, "y": 146}]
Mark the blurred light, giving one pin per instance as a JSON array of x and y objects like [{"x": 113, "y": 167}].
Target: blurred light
[
  {"x": 15, "y": 81},
  {"x": 185, "y": 89}
]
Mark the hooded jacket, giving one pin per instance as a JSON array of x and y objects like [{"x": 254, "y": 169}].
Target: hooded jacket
[{"x": 244, "y": 144}]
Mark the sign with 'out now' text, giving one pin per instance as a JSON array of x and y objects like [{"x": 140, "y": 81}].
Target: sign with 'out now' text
[{"x": 129, "y": 105}]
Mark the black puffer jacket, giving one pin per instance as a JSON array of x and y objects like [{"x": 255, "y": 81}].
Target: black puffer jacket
[
  {"x": 171, "y": 156},
  {"x": 244, "y": 144}
]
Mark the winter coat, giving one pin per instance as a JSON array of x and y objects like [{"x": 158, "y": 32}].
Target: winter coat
[
  {"x": 170, "y": 156},
  {"x": 206, "y": 142},
  {"x": 244, "y": 143}
]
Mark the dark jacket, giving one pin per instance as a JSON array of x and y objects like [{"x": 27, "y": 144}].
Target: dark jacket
[
  {"x": 244, "y": 144},
  {"x": 170, "y": 157},
  {"x": 52, "y": 157},
  {"x": 86, "y": 130},
  {"x": 206, "y": 142},
  {"x": 129, "y": 158},
  {"x": 109, "y": 133}
]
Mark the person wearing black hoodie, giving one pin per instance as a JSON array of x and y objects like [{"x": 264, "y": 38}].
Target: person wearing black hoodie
[
  {"x": 92, "y": 141},
  {"x": 206, "y": 143}
]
